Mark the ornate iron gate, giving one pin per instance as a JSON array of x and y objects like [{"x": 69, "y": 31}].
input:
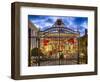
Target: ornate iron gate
[{"x": 57, "y": 45}]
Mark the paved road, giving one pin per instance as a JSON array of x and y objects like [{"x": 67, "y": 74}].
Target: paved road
[{"x": 58, "y": 62}]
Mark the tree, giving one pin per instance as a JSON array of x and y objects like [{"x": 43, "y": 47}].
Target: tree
[{"x": 36, "y": 52}]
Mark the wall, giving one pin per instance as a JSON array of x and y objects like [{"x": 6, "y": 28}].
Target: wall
[{"x": 5, "y": 40}]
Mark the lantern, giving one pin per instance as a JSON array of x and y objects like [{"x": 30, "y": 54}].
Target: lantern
[
  {"x": 72, "y": 40},
  {"x": 45, "y": 42}
]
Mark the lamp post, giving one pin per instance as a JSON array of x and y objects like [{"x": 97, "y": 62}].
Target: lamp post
[
  {"x": 29, "y": 45},
  {"x": 78, "y": 57},
  {"x": 38, "y": 39},
  {"x": 59, "y": 45}
]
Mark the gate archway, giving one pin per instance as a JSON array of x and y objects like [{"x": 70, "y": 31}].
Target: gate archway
[{"x": 59, "y": 45}]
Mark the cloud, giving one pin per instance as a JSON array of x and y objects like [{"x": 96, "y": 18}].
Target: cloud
[
  {"x": 84, "y": 24},
  {"x": 44, "y": 22}
]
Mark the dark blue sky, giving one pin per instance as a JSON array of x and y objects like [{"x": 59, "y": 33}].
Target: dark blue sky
[{"x": 43, "y": 22}]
